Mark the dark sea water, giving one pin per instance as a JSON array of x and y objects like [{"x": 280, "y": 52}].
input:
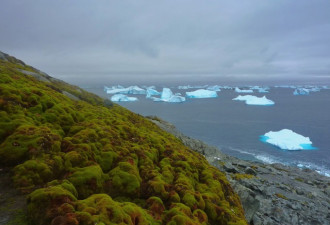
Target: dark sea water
[{"x": 235, "y": 127}]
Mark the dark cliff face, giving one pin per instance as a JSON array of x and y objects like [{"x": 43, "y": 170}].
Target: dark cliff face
[{"x": 81, "y": 159}]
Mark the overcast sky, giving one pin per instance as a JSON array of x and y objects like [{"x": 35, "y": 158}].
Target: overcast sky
[{"x": 148, "y": 39}]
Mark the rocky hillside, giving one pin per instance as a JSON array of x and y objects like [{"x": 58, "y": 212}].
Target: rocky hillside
[
  {"x": 272, "y": 194},
  {"x": 78, "y": 159}
]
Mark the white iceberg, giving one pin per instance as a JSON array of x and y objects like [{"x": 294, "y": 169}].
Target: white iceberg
[
  {"x": 260, "y": 89},
  {"x": 306, "y": 90},
  {"x": 123, "y": 98},
  {"x": 243, "y": 91},
  {"x": 152, "y": 91},
  {"x": 301, "y": 91},
  {"x": 184, "y": 87},
  {"x": 135, "y": 90},
  {"x": 263, "y": 90},
  {"x": 202, "y": 93},
  {"x": 214, "y": 88},
  {"x": 254, "y": 100},
  {"x": 168, "y": 96},
  {"x": 287, "y": 140}
]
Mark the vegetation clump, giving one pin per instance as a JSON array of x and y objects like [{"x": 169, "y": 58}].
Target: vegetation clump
[
  {"x": 84, "y": 160},
  {"x": 240, "y": 176}
]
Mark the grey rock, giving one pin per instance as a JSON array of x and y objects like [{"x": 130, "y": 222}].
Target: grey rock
[
  {"x": 71, "y": 96},
  {"x": 251, "y": 171},
  {"x": 38, "y": 76},
  {"x": 228, "y": 167}
]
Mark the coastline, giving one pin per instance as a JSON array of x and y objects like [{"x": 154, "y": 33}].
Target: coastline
[{"x": 270, "y": 193}]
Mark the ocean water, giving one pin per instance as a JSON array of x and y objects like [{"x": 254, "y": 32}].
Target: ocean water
[{"x": 235, "y": 127}]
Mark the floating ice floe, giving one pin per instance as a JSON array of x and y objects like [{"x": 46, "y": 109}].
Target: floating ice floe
[
  {"x": 168, "y": 96},
  {"x": 202, "y": 93},
  {"x": 123, "y": 98},
  {"x": 254, "y": 100},
  {"x": 243, "y": 91},
  {"x": 135, "y": 90},
  {"x": 287, "y": 140}
]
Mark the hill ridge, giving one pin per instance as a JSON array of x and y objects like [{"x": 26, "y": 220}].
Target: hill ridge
[{"x": 81, "y": 159}]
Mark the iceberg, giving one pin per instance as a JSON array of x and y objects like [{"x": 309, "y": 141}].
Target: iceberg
[
  {"x": 168, "y": 96},
  {"x": 123, "y": 98},
  {"x": 260, "y": 89},
  {"x": 191, "y": 86},
  {"x": 243, "y": 91},
  {"x": 254, "y": 100},
  {"x": 306, "y": 91},
  {"x": 152, "y": 91},
  {"x": 263, "y": 90},
  {"x": 287, "y": 140},
  {"x": 202, "y": 93},
  {"x": 135, "y": 90},
  {"x": 214, "y": 88},
  {"x": 301, "y": 91}
]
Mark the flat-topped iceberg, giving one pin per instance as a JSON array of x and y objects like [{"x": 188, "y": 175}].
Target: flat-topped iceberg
[
  {"x": 134, "y": 90},
  {"x": 287, "y": 140},
  {"x": 168, "y": 96},
  {"x": 243, "y": 91},
  {"x": 202, "y": 93},
  {"x": 123, "y": 98},
  {"x": 254, "y": 100}
]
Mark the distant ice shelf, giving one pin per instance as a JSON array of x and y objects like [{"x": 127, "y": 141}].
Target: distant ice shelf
[
  {"x": 202, "y": 93},
  {"x": 287, "y": 140},
  {"x": 123, "y": 98},
  {"x": 254, "y": 100}
]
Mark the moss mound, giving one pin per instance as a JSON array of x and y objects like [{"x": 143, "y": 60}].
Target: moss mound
[{"x": 89, "y": 161}]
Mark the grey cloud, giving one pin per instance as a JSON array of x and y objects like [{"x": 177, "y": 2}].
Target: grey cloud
[{"x": 248, "y": 39}]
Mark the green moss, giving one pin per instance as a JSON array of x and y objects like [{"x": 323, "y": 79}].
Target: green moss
[
  {"x": 106, "y": 159},
  {"x": 124, "y": 180},
  {"x": 281, "y": 196},
  {"x": 93, "y": 146},
  {"x": 108, "y": 211},
  {"x": 240, "y": 176},
  {"x": 87, "y": 180},
  {"x": 44, "y": 204},
  {"x": 156, "y": 207},
  {"x": 31, "y": 173},
  {"x": 28, "y": 142}
]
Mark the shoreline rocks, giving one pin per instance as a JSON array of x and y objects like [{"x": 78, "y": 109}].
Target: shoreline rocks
[{"x": 270, "y": 193}]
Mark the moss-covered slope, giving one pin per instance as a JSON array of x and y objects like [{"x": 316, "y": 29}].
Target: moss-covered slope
[{"x": 89, "y": 161}]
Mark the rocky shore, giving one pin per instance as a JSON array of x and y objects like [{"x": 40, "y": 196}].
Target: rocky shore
[{"x": 271, "y": 194}]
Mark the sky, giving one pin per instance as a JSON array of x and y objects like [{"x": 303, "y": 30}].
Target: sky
[{"x": 180, "y": 40}]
